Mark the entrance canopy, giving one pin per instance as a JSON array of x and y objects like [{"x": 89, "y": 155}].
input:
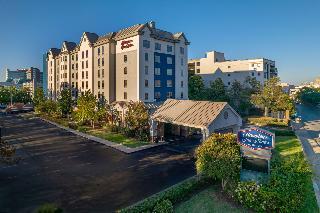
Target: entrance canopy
[{"x": 196, "y": 114}]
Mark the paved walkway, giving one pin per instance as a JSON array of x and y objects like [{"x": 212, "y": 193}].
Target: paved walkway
[
  {"x": 307, "y": 132},
  {"x": 81, "y": 175}
]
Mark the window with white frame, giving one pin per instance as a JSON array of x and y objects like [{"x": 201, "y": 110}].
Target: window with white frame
[
  {"x": 157, "y": 46},
  {"x": 157, "y": 71},
  {"x": 169, "y": 48}
]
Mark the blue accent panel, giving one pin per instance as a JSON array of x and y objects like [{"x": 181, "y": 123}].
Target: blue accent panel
[{"x": 163, "y": 77}]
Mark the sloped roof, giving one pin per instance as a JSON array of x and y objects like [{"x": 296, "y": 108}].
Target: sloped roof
[
  {"x": 70, "y": 45},
  {"x": 130, "y": 31},
  {"x": 92, "y": 37},
  {"x": 55, "y": 51},
  {"x": 198, "y": 114}
]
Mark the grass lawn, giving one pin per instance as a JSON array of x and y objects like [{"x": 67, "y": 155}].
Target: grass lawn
[
  {"x": 117, "y": 138},
  {"x": 207, "y": 201},
  {"x": 267, "y": 121},
  {"x": 288, "y": 147}
]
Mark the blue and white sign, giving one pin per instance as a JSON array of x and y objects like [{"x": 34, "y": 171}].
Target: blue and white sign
[{"x": 255, "y": 138}]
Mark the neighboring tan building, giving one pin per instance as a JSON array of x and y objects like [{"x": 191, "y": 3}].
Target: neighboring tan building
[
  {"x": 214, "y": 66},
  {"x": 139, "y": 63}
]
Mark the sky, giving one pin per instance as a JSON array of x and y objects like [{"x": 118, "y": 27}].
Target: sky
[{"x": 287, "y": 31}]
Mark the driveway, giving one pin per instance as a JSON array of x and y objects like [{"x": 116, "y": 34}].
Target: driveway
[
  {"x": 80, "y": 175},
  {"x": 307, "y": 132}
]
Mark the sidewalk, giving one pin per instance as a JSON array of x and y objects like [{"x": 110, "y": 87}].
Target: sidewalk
[
  {"x": 311, "y": 150},
  {"x": 116, "y": 146}
]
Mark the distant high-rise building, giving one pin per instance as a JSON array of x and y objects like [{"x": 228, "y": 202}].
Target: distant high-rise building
[{"x": 45, "y": 73}]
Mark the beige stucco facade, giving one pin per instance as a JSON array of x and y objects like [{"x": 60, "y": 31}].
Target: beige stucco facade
[{"x": 214, "y": 66}]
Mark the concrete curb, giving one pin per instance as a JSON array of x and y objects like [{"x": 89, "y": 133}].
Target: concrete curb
[
  {"x": 314, "y": 184},
  {"x": 116, "y": 146}
]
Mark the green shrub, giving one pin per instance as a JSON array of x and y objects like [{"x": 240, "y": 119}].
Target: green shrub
[
  {"x": 72, "y": 125},
  {"x": 48, "y": 208},
  {"x": 82, "y": 129},
  {"x": 174, "y": 194},
  {"x": 165, "y": 206},
  {"x": 283, "y": 132}
]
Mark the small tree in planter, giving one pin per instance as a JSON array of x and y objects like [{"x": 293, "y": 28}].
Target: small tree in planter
[
  {"x": 86, "y": 112},
  {"x": 137, "y": 120},
  {"x": 65, "y": 102},
  {"x": 219, "y": 158}
]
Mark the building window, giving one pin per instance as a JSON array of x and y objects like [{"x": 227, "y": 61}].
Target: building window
[
  {"x": 229, "y": 83},
  {"x": 76, "y": 66},
  {"x": 252, "y": 74},
  {"x": 98, "y": 73},
  {"x": 98, "y": 84},
  {"x": 157, "y": 46},
  {"x": 198, "y": 70},
  {"x": 229, "y": 67},
  {"x": 102, "y": 50},
  {"x": 83, "y": 84},
  {"x": 169, "y": 71},
  {"x": 76, "y": 57},
  {"x": 181, "y": 50},
  {"x": 181, "y": 95},
  {"x": 125, "y": 83},
  {"x": 125, "y": 96},
  {"x": 87, "y": 74},
  {"x": 146, "y": 70},
  {"x": 86, "y": 53},
  {"x": 72, "y": 66},
  {"x": 146, "y": 96},
  {"x": 157, "y": 71},
  {"x": 157, "y": 83},
  {"x": 76, "y": 75},
  {"x": 157, "y": 95},
  {"x": 181, "y": 73},
  {"x": 99, "y": 62},
  {"x": 169, "y": 83},
  {"x": 102, "y": 73},
  {"x": 181, "y": 84},
  {"x": 125, "y": 58},
  {"x": 169, "y": 60},
  {"x": 82, "y": 64},
  {"x": 102, "y": 84},
  {"x": 146, "y": 83},
  {"x": 146, "y": 57},
  {"x": 125, "y": 70},
  {"x": 228, "y": 74},
  {"x": 82, "y": 54},
  {"x": 102, "y": 61},
  {"x": 72, "y": 75},
  {"x": 169, "y": 48},
  {"x": 157, "y": 59},
  {"x": 82, "y": 74},
  {"x": 169, "y": 95},
  {"x": 198, "y": 63},
  {"x": 181, "y": 61},
  {"x": 87, "y": 85},
  {"x": 87, "y": 65},
  {"x": 146, "y": 44},
  {"x": 72, "y": 57},
  {"x": 99, "y": 51},
  {"x": 259, "y": 73}
]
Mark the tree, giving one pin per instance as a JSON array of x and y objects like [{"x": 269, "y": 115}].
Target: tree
[
  {"x": 5, "y": 95},
  {"x": 270, "y": 97},
  {"x": 309, "y": 96},
  {"x": 137, "y": 119},
  {"x": 38, "y": 97},
  {"x": 219, "y": 157},
  {"x": 65, "y": 102},
  {"x": 86, "y": 112},
  {"x": 197, "y": 89},
  {"x": 217, "y": 91}
]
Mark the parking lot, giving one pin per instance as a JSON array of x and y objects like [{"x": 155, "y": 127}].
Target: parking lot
[{"x": 80, "y": 175}]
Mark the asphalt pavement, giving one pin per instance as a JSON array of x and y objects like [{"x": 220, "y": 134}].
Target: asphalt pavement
[
  {"x": 80, "y": 175},
  {"x": 307, "y": 131}
]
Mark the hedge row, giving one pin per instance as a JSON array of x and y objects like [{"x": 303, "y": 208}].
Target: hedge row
[{"x": 173, "y": 194}]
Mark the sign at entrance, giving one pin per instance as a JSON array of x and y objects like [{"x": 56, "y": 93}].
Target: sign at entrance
[{"x": 256, "y": 139}]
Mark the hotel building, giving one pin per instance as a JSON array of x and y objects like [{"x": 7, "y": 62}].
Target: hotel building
[
  {"x": 214, "y": 66},
  {"x": 139, "y": 63}
]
